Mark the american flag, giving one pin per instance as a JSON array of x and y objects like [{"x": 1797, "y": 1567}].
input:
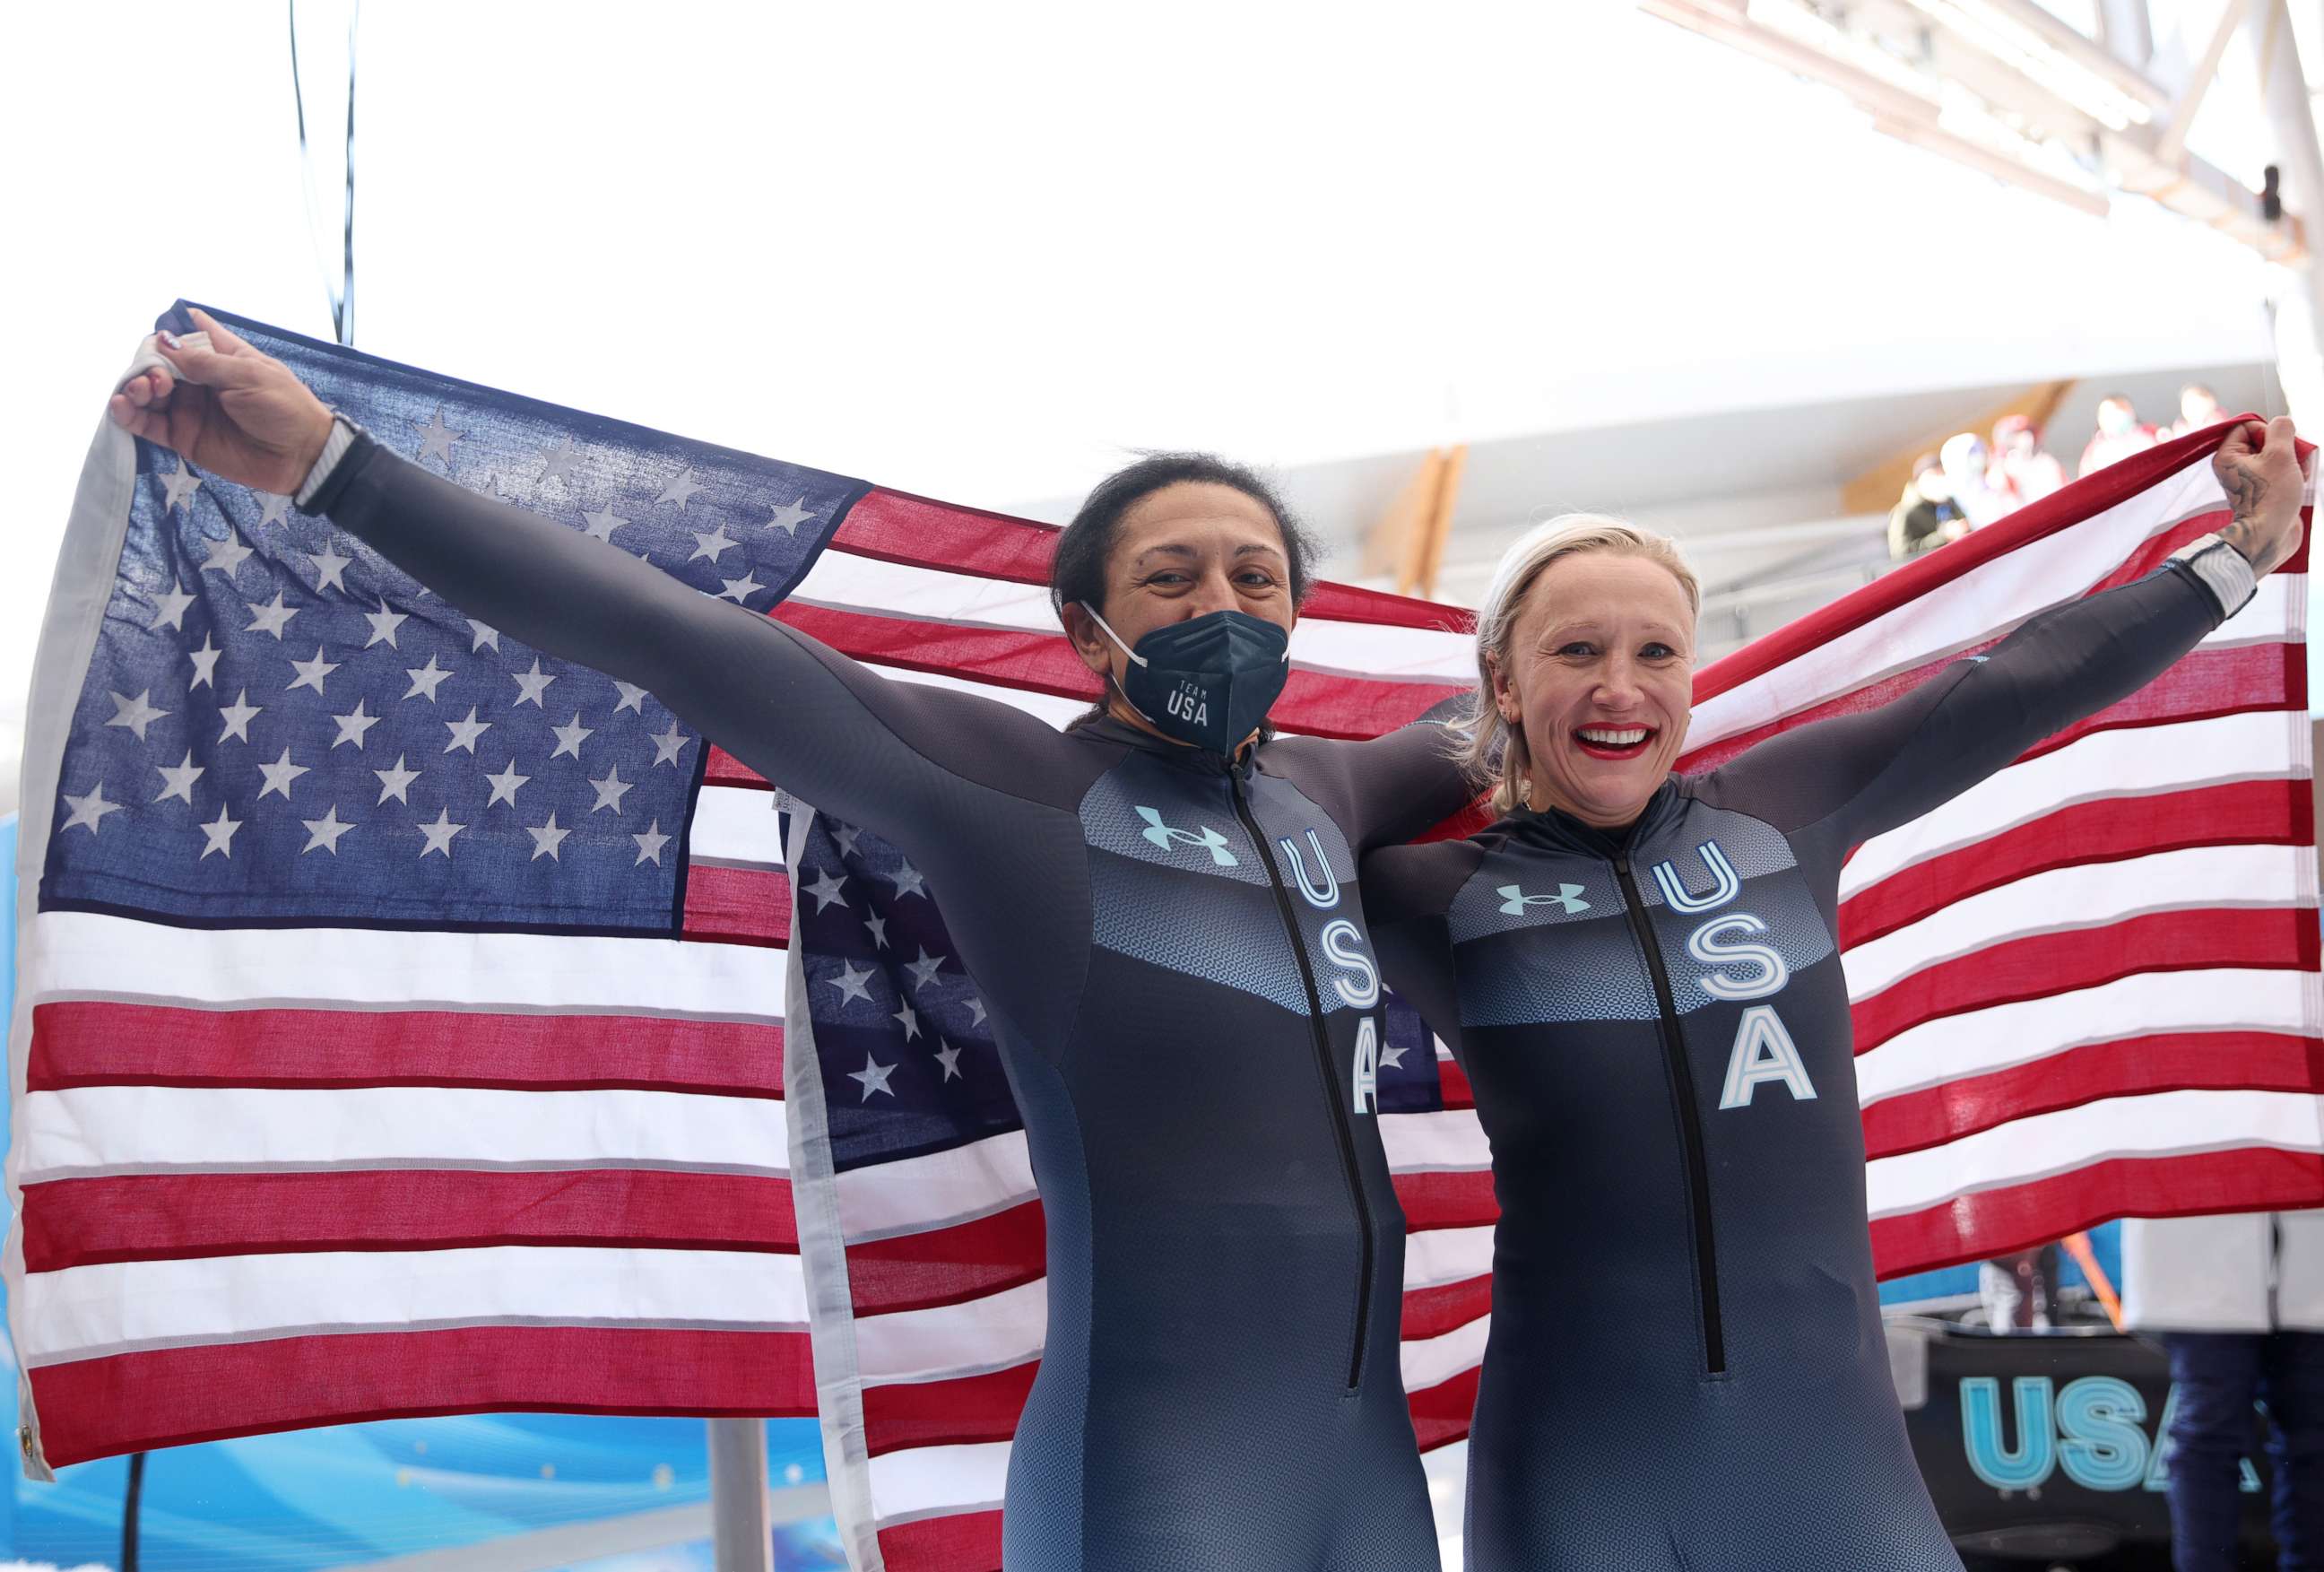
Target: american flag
[{"x": 403, "y": 1012}]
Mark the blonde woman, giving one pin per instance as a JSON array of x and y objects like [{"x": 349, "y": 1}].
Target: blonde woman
[{"x": 1686, "y": 1369}]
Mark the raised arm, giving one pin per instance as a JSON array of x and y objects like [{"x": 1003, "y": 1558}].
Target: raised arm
[
  {"x": 893, "y": 756},
  {"x": 1855, "y": 776}
]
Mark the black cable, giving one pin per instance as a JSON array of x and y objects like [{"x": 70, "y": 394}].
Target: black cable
[
  {"x": 342, "y": 303},
  {"x": 348, "y": 234}
]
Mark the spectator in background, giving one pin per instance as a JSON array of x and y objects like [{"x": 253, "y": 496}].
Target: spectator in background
[
  {"x": 2020, "y": 1292},
  {"x": 2239, "y": 1301},
  {"x": 2024, "y": 471},
  {"x": 1926, "y": 516},
  {"x": 2199, "y": 407},
  {"x": 1963, "y": 458},
  {"x": 2120, "y": 434}
]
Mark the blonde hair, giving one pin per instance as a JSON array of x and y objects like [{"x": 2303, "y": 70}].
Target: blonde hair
[{"x": 1495, "y": 752}]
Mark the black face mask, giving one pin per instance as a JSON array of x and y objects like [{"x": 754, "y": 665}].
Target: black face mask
[{"x": 1208, "y": 680}]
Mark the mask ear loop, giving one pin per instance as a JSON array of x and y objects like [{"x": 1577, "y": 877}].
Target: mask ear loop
[{"x": 1135, "y": 658}]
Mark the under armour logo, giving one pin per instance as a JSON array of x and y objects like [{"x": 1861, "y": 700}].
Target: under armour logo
[
  {"x": 1209, "y": 839},
  {"x": 1513, "y": 900}
]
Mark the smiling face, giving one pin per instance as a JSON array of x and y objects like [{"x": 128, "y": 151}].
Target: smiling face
[
  {"x": 1181, "y": 552},
  {"x": 1599, "y": 682}
]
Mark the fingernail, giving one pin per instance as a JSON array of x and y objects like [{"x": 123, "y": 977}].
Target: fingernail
[{"x": 170, "y": 338}]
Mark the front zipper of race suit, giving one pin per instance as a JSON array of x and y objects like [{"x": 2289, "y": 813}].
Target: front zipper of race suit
[
  {"x": 1329, "y": 1070},
  {"x": 1690, "y": 1125}
]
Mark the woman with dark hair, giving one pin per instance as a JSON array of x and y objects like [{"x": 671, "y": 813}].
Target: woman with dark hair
[{"x": 1160, "y": 907}]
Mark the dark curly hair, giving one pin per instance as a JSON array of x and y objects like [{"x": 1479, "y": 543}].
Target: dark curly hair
[{"x": 1077, "y": 571}]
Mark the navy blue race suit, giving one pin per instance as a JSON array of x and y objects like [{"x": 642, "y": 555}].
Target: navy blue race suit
[
  {"x": 1686, "y": 1369},
  {"x": 1173, "y": 950}
]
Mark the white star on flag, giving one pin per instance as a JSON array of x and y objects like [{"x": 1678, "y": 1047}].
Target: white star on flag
[
  {"x": 850, "y": 983},
  {"x": 439, "y": 834},
  {"x": 435, "y": 439},
  {"x": 561, "y": 459},
  {"x": 170, "y": 609},
  {"x": 464, "y": 733},
  {"x": 205, "y": 662},
  {"x": 547, "y": 838},
  {"x": 713, "y": 544},
  {"x": 384, "y": 623},
  {"x": 874, "y": 1076},
  {"x": 237, "y": 716},
  {"x": 134, "y": 714},
  {"x": 924, "y": 970},
  {"x": 325, "y": 832},
  {"x": 825, "y": 889},
  {"x": 226, "y": 555},
  {"x": 425, "y": 680},
  {"x": 312, "y": 672},
  {"x": 218, "y": 833},
  {"x": 181, "y": 483},
  {"x": 530, "y": 685},
  {"x": 89, "y": 809},
  {"x": 570, "y": 736},
  {"x": 603, "y": 523},
  {"x": 396, "y": 782},
  {"x": 353, "y": 725},
  {"x": 680, "y": 489},
  {"x": 649, "y": 843},
  {"x": 280, "y": 774},
  {"x": 668, "y": 744},
  {"x": 611, "y": 789},
  {"x": 330, "y": 568},
  {"x": 178, "y": 778},
  {"x": 506, "y": 783},
  {"x": 788, "y": 517},
  {"x": 271, "y": 618}
]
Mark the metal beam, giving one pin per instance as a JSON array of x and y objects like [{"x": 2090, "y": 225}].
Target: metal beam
[
  {"x": 2085, "y": 53},
  {"x": 741, "y": 1534},
  {"x": 2144, "y": 160},
  {"x": 2191, "y": 98},
  {"x": 545, "y": 1550}
]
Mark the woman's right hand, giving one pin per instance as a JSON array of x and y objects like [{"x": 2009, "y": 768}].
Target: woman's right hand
[{"x": 229, "y": 408}]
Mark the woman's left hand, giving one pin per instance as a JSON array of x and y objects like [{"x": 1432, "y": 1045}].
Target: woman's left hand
[{"x": 2259, "y": 468}]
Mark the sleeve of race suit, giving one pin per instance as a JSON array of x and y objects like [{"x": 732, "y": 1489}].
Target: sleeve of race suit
[
  {"x": 1855, "y": 776},
  {"x": 1390, "y": 787},
  {"x": 900, "y": 759}
]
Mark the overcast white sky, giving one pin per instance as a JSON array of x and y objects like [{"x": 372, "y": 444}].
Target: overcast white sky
[{"x": 980, "y": 252}]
